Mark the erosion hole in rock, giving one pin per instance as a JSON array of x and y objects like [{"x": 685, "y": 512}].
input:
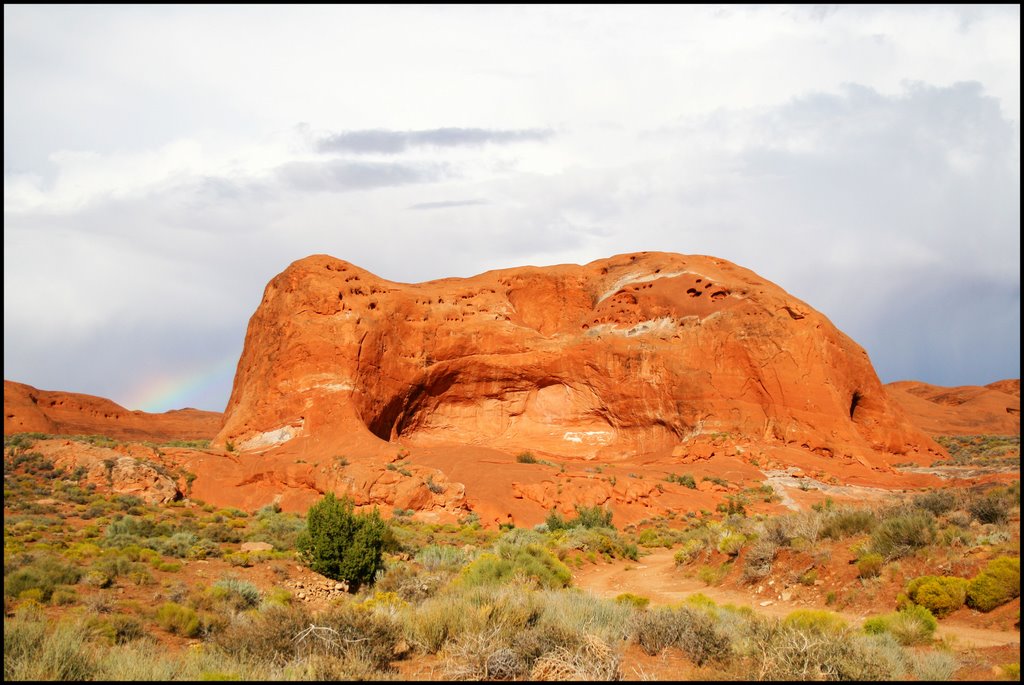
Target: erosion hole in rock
[
  {"x": 854, "y": 401},
  {"x": 693, "y": 292}
]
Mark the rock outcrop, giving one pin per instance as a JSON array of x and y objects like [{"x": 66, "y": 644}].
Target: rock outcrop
[
  {"x": 637, "y": 354},
  {"x": 962, "y": 410},
  {"x": 29, "y": 410}
]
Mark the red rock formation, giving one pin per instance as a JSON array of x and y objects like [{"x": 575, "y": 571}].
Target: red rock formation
[
  {"x": 125, "y": 469},
  {"x": 650, "y": 353},
  {"x": 962, "y": 410},
  {"x": 28, "y": 410}
]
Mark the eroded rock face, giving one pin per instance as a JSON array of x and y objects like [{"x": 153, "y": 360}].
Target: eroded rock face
[
  {"x": 126, "y": 469},
  {"x": 29, "y": 410},
  {"x": 962, "y": 410},
  {"x": 636, "y": 354}
]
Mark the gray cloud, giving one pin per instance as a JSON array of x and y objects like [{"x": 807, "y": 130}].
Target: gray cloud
[
  {"x": 383, "y": 141},
  {"x": 444, "y": 204},
  {"x": 340, "y": 176}
]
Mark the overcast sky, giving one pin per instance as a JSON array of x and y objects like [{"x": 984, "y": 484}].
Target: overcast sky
[{"x": 162, "y": 163}]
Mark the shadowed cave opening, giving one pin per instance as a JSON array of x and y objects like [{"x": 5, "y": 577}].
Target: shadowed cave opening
[
  {"x": 854, "y": 401},
  {"x": 401, "y": 410}
]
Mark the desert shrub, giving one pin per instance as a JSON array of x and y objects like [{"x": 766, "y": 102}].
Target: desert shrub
[
  {"x": 993, "y": 507},
  {"x": 178, "y": 544},
  {"x": 686, "y": 480},
  {"x": 911, "y": 625},
  {"x": 118, "y": 629},
  {"x": 441, "y": 558},
  {"x": 901, "y": 534},
  {"x": 759, "y": 559},
  {"x": 178, "y": 619},
  {"x": 576, "y": 613},
  {"x": 941, "y": 595},
  {"x": 731, "y": 544},
  {"x": 870, "y": 565},
  {"x": 694, "y": 631},
  {"x": 279, "y": 634},
  {"x": 241, "y": 594},
  {"x": 815, "y": 620},
  {"x": 713, "y": 575},
  {"x": 655, "y": 537},
  {"x": 930, "y": 667},
  {"x": 604, "y": 541},
  {"x": 997, "y": 584},
  {"x": 526, "y": 458},
  {"x": 586, "y": 517},
  {"x": 593, "y": 517},
  {"x": 281, "y": 530},
  {"x": 809, "y": 577},
  {"x": 341, "y": 544},
  {"x": 816, "y": 648},
  {"x": 63, "y": 596},
  {"x": 938, "y": 502},
  {"x": 844, "y": 523},
  {"x": 531, "y": 562},
  {"x": 633, "y": 600},
  {"x": 688, "y": 553},
  {"x": 482, "y": 655},
  {"x": 436, "y": 621},
  {"x": 592, "y": 660},
  {"x": 32, "y": 652},
  {"x": 44, "y": 573}
]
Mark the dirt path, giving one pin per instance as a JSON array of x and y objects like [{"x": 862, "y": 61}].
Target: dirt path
[{"x": 655, "y": 576}]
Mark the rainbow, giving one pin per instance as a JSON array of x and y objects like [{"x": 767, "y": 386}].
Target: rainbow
[{"x": 199, "y": 387}]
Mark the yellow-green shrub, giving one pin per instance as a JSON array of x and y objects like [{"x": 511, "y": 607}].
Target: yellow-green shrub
[
  {"x": 996, "y": 585},
  {"x": 816, "y": 621},
  {"x": 870, "y": 565},
  {"x": 942, "y": 595},
  {"x": 178, "y": 619}
]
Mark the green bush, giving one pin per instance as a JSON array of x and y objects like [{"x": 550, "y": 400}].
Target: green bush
[
  {"x": 937, "y": 502},
  {"x": 731, "y": 544},
  {"x": 530, "y": 562},
  {"x": 629, "y": 598},
  {"x": 341, "y": 544},
  {"x": 845, "y": 523},
  {"x": 240, "y": 594},
  {"x": 178, "y": 619},
  {"x": 441, "y": 558},
  {"x": 526, "y": 458},
  {"x": 870, "y": 565},
  {"x": 912, "y": 625},
  {"x": 815, "y": 621},
  {"x": 44, "y": 574},
  {"x": 688, "y": 553},
  {"x": 997, "y": 584},
  {"x": 901, "y": 534},
  {"x": 941, "y": 595}
]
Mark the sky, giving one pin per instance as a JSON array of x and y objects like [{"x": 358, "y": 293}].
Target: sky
[{"x": 163, "y": 163}]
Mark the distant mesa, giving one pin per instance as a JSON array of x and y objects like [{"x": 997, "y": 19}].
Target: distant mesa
[
  {"x": 963, "y": 410},
  {"x": 30, "y": 410}
]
